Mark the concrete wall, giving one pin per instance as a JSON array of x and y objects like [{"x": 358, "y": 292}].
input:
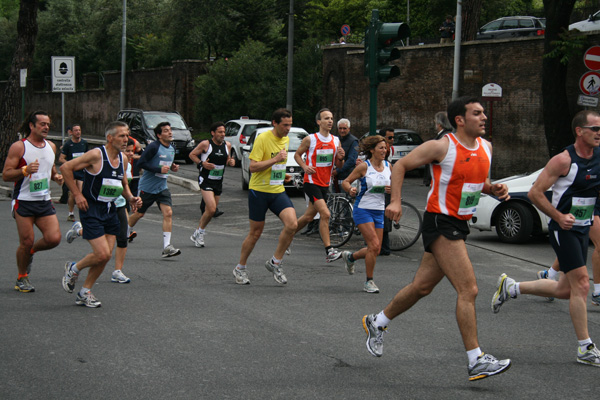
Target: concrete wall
[{"x": 425, "y": 87}]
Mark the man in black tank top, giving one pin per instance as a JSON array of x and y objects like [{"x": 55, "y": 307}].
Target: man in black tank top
[{"x": 211, "y": 156}]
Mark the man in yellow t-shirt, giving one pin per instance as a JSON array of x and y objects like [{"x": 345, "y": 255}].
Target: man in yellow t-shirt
[{"x": 267, "y": 165}]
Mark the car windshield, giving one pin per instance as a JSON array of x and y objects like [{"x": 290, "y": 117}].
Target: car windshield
[
  {"x": 407, "y": 139},
  {"x": 250, "y": 128},
  {"x": 156, "y": 118},
  {"x": 296, "y": 139}
]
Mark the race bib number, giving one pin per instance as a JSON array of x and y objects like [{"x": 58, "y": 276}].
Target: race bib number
[
  {"x": 379, "y": 184},
  {"x": 582, "y": 209},
  {"x": 39, "y": 187},
  {"x": 324, "y": 158},
  {"x": 161, "y": 163},
  {"x": 75, "y": 155},
  {"x": 469, "y": 198},
  {"x": 110, "y": 190},
  {"x": 277, "y": 174},
  {"x": 217, "y": 172}
]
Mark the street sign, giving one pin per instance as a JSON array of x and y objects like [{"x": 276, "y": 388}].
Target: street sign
[
  {"x": 587, "y": 101},
  {"x": 589, "y": 83},
  {"x": 591, "y": 58},
  {"x": 345, "y": 30},
  {"x": 23, "y": 75},
  {"x": 491, "y": 92},
  {"x": 63, "y": 74}
]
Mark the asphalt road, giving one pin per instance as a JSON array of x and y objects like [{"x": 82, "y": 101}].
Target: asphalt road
[{"x": 182, "y": 329}]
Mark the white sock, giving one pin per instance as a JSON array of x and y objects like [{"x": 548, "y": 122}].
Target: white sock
[
  {"x": 381, "y": 321},
  {"x": 128, "y": 231},
  {"x": 275, "y": 261},
  {"x": 84, "y": 291},
  {"x": 166, "y": 239},
  {"x": 74, "y": 268},
  {"x": 583, "y": 344},
  {"x": 473, "y": 354},
  {"x": 596, "y": 289},
  {"x": 240, "y": 266},
  {"x": 514, "y": 290},
  {"x": 552, "y": 274},
  {"x": 200, "y": 230}
]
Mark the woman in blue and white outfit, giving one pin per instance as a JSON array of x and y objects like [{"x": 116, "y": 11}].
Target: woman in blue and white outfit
[{"x": 374, "y": 176}]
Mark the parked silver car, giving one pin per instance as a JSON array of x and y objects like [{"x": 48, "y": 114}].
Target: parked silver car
[
  {"x": 237, "y": 132},
  {"x": 590, "y": 24},
  {"x": 292, "y": 168},
  {"x": 512, "y": 27}
]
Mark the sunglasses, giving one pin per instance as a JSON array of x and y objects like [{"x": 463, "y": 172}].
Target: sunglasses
[
  {"x": 389, "y": 137},
  {"x": 593, "y": 128}
]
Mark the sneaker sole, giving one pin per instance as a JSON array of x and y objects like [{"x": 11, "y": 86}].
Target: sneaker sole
[
  {"x": 366, "y": 328},
  {"x": 587, "y": 362},
  {"x": 501, "y": 280},
  {"x": 131, "y": 237},
  {"x": 171, "y": 255},
  {"x": 64, "y": 280},
  {"x": 370, "y": 291},
  {"x": 333, "y": 259},
  {"x": 24, "y": 290},
  {"x": 119, "y": 281},
  {"x": 488, "y": 374},
  {"x": 196, "y": 243},
  {"x": 82, "y": 303}
]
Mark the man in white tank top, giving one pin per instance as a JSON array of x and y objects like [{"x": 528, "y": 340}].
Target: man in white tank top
[{"x": 30, "y": 165}]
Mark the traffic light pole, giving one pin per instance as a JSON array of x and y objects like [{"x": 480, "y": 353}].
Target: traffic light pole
[{"x": 373, "y": 81}]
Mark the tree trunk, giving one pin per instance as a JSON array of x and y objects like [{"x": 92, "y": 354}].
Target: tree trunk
[
  {"x": 10, "y": 107},
  {"x": 557, "y": 117},
  {"x": 471, "y": 10}
]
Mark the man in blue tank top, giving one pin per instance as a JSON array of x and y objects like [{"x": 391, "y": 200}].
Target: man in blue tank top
[
  {"x": 104, "y": 180},
  {"x": 574, "y": 176},
  {"x": 157, "y": 161}
]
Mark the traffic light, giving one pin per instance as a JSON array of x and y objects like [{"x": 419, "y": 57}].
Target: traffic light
[{"x": 380, "y": 48}]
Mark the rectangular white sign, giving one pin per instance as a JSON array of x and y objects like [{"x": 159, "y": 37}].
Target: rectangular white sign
[
  {"x": 63, "y": 74},
  {"x": 587, "y": 101}
]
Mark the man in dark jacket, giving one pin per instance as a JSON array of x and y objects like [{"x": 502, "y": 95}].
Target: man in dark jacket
[{"x": 350, "y": 145}]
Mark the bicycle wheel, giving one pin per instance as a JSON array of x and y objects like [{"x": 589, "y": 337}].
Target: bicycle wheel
[
  {"x": 407, "y": 231},
  {"x": 341, "y": 223}
]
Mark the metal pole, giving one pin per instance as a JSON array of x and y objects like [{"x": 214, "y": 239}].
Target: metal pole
[
  {"x": 290, "y": 57},
  {"x": 458, "y": 36},
  {"x": 62, "y": 104},
  {"x": 373, "y": 83},
  {"x": 123, "y": 55}
]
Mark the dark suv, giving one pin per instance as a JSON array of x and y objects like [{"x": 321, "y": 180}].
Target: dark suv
[
  {"x": 512, "y": 27},
  {"x": 142, "y": 123}
]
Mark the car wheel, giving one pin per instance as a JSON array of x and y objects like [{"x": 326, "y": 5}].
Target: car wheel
[
  {"x": 514, "y": 223},
  {"x": 244, "y": 183}
]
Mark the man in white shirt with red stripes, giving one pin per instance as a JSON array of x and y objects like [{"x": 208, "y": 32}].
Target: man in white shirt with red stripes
[{"x": 322, "y": 150}]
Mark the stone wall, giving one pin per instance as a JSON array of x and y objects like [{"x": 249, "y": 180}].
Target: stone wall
[
  {"x": 96, "y": 103},
  {"x": 425, "y": 87}
]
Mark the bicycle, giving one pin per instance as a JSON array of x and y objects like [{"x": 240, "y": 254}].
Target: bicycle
[{"x": 402, "y": 235}]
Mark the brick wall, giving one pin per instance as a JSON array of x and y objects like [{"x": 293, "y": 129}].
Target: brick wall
[{"x": 425, "y": 87}]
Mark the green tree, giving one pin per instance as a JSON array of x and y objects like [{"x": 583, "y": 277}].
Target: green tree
[{"x": 27, "y": 29}]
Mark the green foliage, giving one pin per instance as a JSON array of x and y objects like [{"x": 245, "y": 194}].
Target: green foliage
[
  {"x": 571, "y": 44},
  {"x": 250, "y": 82}
]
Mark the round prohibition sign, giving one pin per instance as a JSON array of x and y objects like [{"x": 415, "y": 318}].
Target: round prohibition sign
[
  {"x": 345, "y": 29},
  {"x": 590, "y": 83}
]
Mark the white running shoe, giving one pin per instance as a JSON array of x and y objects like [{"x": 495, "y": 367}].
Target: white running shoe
[{"x": 119, "y": 277}]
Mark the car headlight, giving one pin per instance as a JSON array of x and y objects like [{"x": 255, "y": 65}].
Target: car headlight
[{"x": 191, "y": 143}]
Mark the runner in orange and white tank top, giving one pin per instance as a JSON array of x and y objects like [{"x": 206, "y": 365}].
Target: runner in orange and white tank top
[
  {"x": 321, "y": 155},
  {"x": 458, "y": 179}
]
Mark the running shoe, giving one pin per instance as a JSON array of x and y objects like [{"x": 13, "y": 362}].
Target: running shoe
[
  {"x": 241, "y": 276},
  {"x": 486, "y": 366},
  {"x": 119, "y": 277},
  {"x": 590, "y": 357},
  {"x": 349, "y": 264},
  {"x": 544, "y": 275},
  {"x": 170, "y": 251},
  {"x": 197, "y": 238},
  {"x": 277, "y": 271},
  {"x": 333, "y": 254},
  {"x": 68, "y": 281},
  {"x": 23, "y": 285},
  {"x": 596, "y": 299},
  {"x": 374, "y": 335},
  {"x": 73, "y": 233},
  {"x": 371, "y": 287},
  {"x": 502, "y": 295},
  {"x": 88, "y": 300},
  {"x": 132, "y": 236},
  {"x": 71, "y": 218},
  {"x": 288, "y": 251}
]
